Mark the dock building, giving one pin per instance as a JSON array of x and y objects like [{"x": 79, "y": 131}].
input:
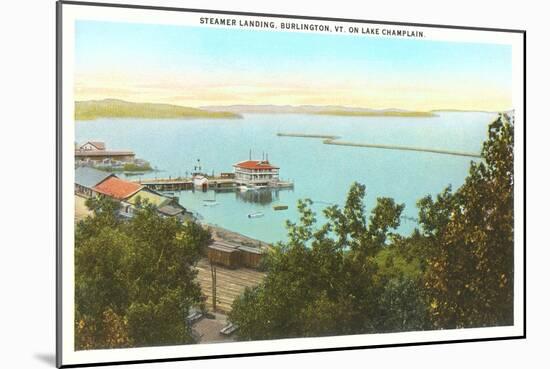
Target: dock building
[
  {"x": 256, "y": 173},
  {"x": 87, "y": 178},
  {"x": 96, "y": 152}
]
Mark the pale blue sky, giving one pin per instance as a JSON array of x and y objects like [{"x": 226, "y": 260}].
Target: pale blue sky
[{"x": 129, "y": 56}]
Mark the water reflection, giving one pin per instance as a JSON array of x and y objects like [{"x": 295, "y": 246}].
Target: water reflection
[{"x": 261, "y": 196}]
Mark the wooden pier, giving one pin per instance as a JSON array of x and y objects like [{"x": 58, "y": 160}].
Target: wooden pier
[
  {"x": 167, "y": 184},
  {"x": 184, "y": 184}
]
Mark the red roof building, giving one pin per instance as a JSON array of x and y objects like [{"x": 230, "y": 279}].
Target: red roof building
[
  {"x": 117, "y": 188},
  {"x": 255, "y": 164},
  {"x": 255, "y": 173}
]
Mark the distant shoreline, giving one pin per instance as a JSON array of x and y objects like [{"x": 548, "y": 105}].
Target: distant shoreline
[
  {"x": 390, "y": 113},
  {"x": 114, "y": 108},
  {"x": 336, "y": 110}
]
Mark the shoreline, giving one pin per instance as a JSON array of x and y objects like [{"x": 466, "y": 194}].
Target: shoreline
[{"x": 218, "y": 233}]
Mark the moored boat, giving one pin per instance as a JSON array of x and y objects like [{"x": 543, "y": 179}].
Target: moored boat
[
  {"x": 210, "y": 203},
  {"x": 257, "y": 214}
]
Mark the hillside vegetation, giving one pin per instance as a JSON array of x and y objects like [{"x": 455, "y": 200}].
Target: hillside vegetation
[{"x": 113, "y": 108}]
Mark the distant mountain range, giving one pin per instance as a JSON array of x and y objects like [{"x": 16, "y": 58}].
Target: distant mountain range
[
  {"x": 115, "y": 108},
  {"x": 315, "y": 109}
]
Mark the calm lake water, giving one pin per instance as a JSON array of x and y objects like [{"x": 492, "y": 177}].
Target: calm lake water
[{"x": 320, "y": 172}]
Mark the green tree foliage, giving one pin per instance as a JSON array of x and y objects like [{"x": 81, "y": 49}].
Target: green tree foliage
[
  {"x": 353, "y": 275},
  {"x": 400, "y": 270},
  {"x": 134, "y": 280},
  {"x": 322, "y": 281},
  {"x": 469, "y": 281}
]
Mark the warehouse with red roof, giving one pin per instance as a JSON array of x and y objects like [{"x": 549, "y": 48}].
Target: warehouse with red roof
[{"x": 117, "y": 188}]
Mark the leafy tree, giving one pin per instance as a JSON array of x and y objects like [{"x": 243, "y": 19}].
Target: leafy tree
[
  {"x": 134, "y": 280},
  {"x": 402, "y": 300},
  {"x": 164, "y": 284},
  {"x": 116, "y": 329},
  {"x": 322, "y": 281},
  {"x": 105, "y": 215},
  {"x": 469, "y": 281},
  {"x": 351, "y": 275}
]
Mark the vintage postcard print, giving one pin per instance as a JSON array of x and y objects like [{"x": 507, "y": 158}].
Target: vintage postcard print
[{"x": 235, "y": 184}]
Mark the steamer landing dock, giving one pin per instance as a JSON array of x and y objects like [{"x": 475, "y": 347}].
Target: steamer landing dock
[
  {"x": 183, "y": 184},
  {"x": 247, "y": 175},
  {"x": 216, "y": 183}
]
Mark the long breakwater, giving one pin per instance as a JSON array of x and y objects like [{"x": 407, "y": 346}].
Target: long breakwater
[{"x": 334, "y": 140}]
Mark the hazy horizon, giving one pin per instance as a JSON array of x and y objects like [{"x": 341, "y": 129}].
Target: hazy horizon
[
  {"x": 287, "y": 106},
  {"x": 199, "y": 66}
]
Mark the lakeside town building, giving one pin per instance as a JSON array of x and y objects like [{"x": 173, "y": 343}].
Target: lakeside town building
[
  {"x": 87, "y": 178},
  {"x": 117, "y": 188},
  {"x": 90, "y": 182},
  {"x": 96, "y": 152},
  {"x": 256, "y": 173},
  {"x": 133, "y": 195}
]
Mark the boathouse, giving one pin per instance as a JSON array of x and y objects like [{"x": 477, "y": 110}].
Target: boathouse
[
  {"x": 96, "y": 152},
  {"x": 200, "y": 182},
  {"x": 87, "y": 178},
  {"x": 258, "y": 173}
]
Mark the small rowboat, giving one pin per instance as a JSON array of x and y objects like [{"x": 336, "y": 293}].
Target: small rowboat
[
  {"x": 210, "y": 203},
  {"x": 257, "y": 214},
  {"x": 280, "y": 207}
]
